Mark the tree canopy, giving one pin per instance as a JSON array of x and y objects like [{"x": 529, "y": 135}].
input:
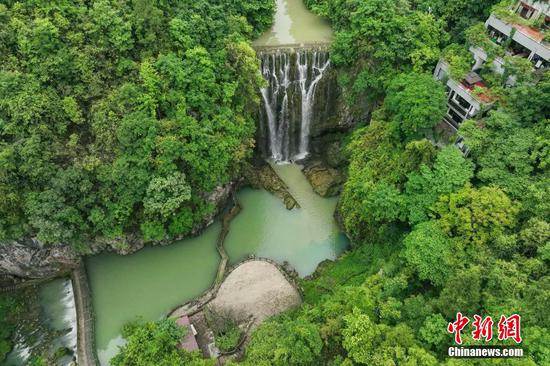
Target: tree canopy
[
  {"x": 156, "y": 343},
  {"x": 118, "y": 117},
  {"x": 434, "y": 231}
]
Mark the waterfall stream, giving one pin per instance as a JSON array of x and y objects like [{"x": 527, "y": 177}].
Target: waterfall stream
[{"x": 288, "y": 109}]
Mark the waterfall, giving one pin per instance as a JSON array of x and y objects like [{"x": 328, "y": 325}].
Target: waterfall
[{"x": 288, "y": 101}]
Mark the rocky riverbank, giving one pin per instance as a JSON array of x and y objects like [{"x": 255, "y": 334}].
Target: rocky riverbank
[
  {"x": 264, "y": 177},
  {"x": 325, "y": 180},
  {"x": 30, "y": 259}
]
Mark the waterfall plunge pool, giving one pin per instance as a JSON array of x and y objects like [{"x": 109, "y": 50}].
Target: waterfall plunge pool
[{"x": 151, "y": 282}]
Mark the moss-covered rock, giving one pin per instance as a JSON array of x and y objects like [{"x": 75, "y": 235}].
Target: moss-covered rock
[
  {"x": 265, "y": 177},
  {"x": 326, "y": 181}
]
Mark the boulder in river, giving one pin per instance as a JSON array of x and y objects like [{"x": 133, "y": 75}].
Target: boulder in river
[
  {"x": 255, "y": 290},
  {"x": 265, "y": 177},
  {"x": 326, "y": 181}
]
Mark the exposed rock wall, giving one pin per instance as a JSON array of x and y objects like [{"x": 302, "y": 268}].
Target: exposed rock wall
[
  {"x": 325, "y": 181},
  {"x": 30, "y": 260}
]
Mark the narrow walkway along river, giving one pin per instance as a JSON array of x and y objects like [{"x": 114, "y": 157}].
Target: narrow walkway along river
[{"x": 151, "y": 282}]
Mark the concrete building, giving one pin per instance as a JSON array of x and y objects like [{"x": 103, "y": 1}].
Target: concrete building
[
  {"x": 524, "y": 40},
  {"x": 465, "y": 98},
  {"x": 462, "y": 102}
]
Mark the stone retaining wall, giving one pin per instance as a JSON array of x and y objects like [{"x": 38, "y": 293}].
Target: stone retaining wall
[{"x": 86, "y": 350}]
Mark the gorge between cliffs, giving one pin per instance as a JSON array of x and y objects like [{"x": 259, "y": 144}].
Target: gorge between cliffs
[{"x": 297, "y": 123}]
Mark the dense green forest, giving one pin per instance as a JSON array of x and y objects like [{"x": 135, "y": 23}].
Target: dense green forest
[
  {"x": 119, "y": 116},
  {"x": 434, "y": 233}
]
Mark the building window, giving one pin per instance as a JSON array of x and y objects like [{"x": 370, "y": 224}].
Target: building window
[
  {"x": 519, "y": 50},
  {"x": 455, "y": 117},
  {"x": 539, "y": 62},
  {"x": 462, "y": 102},
  {"x": 441, "y": 74},
  {"x": 525, "y": 11},
  {"x": 496, "y": 36}
]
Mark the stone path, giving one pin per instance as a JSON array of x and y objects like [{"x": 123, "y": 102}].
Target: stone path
[{"x": 86, "y": 352}]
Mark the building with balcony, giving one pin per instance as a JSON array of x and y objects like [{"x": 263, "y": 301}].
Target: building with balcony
[
  {"x": 465, "y": 98},
  {"x": 523, "y": 28}
]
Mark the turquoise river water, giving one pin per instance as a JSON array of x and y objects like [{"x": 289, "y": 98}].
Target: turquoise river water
[{"x": 151, "y": 282}]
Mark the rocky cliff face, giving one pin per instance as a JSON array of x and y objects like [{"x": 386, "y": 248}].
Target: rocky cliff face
[
  {"x": 325, "y": 180},
  {"x": 29, "y": 259},
  {"x": 133, "y": 241}
]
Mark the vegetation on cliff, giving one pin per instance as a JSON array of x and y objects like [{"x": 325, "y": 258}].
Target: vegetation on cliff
[
  {"x": 119, "y": 116},
  {"x": 434, "y": 232}
]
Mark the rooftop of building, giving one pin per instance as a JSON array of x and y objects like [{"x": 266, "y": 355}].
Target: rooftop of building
[
  {"x": 189, "y": 342},
  {"x": 473, "y": 82},
  {"x": 535, "y": 24}
]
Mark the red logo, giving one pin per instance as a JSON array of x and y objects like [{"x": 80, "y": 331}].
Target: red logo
[
  {"x": 457, "y": 326},
  {"x": 482, "y": 328},
  {"x": 508, "y": 328}
]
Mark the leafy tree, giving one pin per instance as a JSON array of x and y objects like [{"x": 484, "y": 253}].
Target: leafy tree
[
  {"x": 156, "y": 343},
  {"x": 371, "y": 344},
  {"x": 429, "y": 251},
  {"x": 501, "y": 149},
  {"x": 434, "y": 331},
  {"x": 118, "y": 115},
  {"x": 458, "y": 15},
  {"x": 360, "y": 337},
  {"x": 376, "y": 39},
  {"x": 416, "y": 102},
  {"x": 462, "y": 293},
  {"x": 449, "y": 173},
  {"x": 165, "y": 195},
  {"x": 286, "y": 342},
  {"x": 477, "y": 216}
]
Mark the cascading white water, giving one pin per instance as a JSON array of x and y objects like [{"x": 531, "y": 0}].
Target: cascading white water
[
  {"x": 56, "y": 327},
  {"x": 289, "y": 98},
  {"x": 308, "y": 95}
]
